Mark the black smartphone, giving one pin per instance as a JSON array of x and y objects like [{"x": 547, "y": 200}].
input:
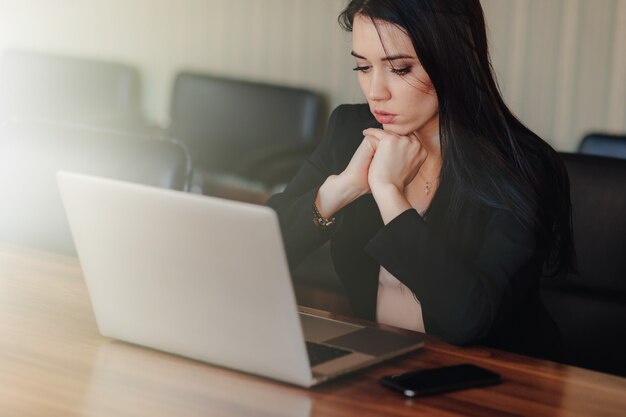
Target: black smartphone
[{"x": 440, "y": 380}]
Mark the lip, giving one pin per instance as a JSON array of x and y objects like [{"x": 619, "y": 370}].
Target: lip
[{"x": 384, "y": 117}]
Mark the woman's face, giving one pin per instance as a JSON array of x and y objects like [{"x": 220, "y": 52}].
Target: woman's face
[{"x": 398, "y": 89}]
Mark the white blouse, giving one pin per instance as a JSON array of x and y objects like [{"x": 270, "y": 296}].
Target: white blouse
[{"x": 396, "y": 305}]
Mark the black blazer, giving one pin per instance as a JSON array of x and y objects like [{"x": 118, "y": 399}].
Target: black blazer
[{"x": 479, "y": 286}]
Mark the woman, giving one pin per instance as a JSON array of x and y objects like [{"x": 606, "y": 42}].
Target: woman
[{"x": 442, "y": 209}]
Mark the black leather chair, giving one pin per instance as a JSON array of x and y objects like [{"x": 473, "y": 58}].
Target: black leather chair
[
  {"x": 31, "y": 212},
  {"x": 253, "y": 131},
  {"x": 42, "y": 86},
  {"x": 603, "y": 144},
  {"x": 590, "y": 306}
]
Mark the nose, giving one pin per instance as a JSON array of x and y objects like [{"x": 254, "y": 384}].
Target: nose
[{"x": 378, "y": 89}]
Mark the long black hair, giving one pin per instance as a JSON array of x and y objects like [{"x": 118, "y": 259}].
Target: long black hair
[{"x": 489, "y": 156}]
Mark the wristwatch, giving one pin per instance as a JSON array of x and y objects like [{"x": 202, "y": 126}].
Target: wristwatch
[{"x": 320, "y": 221}]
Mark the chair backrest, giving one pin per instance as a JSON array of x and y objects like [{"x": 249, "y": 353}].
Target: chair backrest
[
  {"x": 603, "y": 144},
  {"x": 228, "y": 124},
  {"x": 590, "y": 306},
  {"x": 31, "y": 212},
  {"x": 43, "y": 86}
]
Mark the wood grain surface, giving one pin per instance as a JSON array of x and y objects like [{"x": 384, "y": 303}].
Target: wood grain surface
[{"x": 53, "y": 362}]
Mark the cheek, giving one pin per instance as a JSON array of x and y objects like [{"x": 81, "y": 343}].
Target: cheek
[
  {"x": 423, "y": 103},
  {"x": 423, "y": 107},
  {"x": 430, "y": 100},
  {"x": 425, "y": 96},
  {"x": 428, "y": 105},
  {"x": 422, "y": 83},
  {"x": 424, "y": 86}
]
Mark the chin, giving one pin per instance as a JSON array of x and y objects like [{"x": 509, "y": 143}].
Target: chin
[{"x": 398, "y": 130}]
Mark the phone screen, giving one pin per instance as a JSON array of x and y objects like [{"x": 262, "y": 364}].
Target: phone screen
[{"x": 439, "y": 380}]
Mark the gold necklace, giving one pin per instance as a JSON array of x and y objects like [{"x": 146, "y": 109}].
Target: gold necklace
[{"x": 429, "y": 183}]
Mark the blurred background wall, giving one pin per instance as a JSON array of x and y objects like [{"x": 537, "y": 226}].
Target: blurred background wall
[{"x": 561, "y": 64}]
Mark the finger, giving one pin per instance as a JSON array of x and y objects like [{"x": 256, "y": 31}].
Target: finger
[
  {"x": 372, "y": 139},
  {"x": 378, "y": 133}
]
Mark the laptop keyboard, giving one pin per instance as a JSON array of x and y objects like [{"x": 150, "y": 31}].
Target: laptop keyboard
[{"x": 322, "y": 353}]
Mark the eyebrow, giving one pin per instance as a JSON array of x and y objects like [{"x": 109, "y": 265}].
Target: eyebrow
[{"x": 387, "y": 58}]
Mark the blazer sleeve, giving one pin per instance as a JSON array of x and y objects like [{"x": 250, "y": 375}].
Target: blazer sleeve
[
  {"x": 294, "y": 205},
  {"x": 460, "y": 301}
]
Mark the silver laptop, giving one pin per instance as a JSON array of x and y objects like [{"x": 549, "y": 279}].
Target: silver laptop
[{"x": 208, "y": 279}]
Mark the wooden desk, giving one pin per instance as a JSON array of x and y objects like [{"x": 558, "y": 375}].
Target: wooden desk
[{"x": 53, "y": 362}]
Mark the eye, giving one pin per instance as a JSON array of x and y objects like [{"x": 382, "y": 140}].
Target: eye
[
  {"x": 401, "y": 71},
  {"x": 361, "y": 68}
]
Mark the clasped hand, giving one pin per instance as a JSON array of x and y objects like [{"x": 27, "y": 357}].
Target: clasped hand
[{"x": 385, "y": 159}]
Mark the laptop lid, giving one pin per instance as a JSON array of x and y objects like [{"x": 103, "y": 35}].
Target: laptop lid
[{"x": 149, "y": 260}]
